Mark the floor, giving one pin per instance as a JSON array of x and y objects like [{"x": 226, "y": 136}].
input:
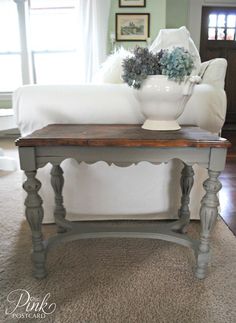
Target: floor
[{"x": 228, "y": 179}]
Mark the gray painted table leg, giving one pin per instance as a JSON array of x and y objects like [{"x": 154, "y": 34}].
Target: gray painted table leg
[
  {"x": 208, "y": 216},
  {"x": 57, "y": 181},
  {"x": 34, "y": 215},
  {"x": 186, "y": 183}
]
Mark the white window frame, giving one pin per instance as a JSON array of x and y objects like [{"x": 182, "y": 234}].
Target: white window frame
[{"x": 26, "y": 53}]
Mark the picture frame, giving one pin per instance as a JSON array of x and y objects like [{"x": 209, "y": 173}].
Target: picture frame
[
  {"x": 132, "y": 3},
  {"x": 132, "y": 26}
]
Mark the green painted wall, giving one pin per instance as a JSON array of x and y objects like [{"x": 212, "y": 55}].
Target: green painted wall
[
  {"x": 157, "y": 10},
  {"x": 177, "y": 13}
]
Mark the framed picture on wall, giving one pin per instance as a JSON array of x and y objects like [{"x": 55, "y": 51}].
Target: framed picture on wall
[
  {"x": 132, "y": 26},
  {"x": 132, "y": 3}
]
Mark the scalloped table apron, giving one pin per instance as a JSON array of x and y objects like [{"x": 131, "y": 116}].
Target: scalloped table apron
[{"x": 121, "y": 145}]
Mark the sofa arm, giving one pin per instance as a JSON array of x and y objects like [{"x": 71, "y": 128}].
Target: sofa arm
[{"x": 36, "y": 106}]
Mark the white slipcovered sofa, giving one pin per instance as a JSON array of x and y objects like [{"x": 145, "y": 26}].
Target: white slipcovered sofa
[{"x": 100, "y": 191}]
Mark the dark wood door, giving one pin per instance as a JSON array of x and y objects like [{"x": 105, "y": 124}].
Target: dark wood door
[{"x": 218, "y": 39}]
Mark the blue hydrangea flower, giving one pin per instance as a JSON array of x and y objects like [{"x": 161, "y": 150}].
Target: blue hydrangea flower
[{"x": 176, "y": 64}]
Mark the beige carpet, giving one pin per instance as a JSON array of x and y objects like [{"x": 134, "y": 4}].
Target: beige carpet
[{"x": 115, "y": 280}]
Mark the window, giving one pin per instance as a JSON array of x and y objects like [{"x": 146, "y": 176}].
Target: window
[
  {"x": 53, "y": 32},
  {"x": 222, "y": 26},
  {"x": 10, "y": 58},
  {"x": 48, "y": 47}
]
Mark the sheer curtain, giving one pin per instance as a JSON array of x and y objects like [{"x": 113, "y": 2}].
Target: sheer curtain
[{"x": 93, "y": 29}]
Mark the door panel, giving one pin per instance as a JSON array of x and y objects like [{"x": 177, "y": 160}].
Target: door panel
[{"x": 226, "y": 48}]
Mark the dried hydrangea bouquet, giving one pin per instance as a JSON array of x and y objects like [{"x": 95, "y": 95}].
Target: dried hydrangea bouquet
[{"x": 163, "y": 83}]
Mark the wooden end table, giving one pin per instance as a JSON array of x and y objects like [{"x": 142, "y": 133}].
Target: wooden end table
[{"x": 121, "y": 145}]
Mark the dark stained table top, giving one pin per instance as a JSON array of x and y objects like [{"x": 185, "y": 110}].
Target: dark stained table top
[{"x": 120, "y": 135}]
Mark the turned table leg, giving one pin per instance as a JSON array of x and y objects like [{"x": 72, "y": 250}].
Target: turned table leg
[
  {"x": 208, "y": 216},
  {"x": 57, "y": 181},
  {"x": 186, "y": 183},
  {"x": 34, "y": 216}
]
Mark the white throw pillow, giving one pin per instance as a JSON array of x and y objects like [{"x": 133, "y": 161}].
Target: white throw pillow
[
  {"x": 111, "y": 69},
  {"x": 213, "y": 72}
]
